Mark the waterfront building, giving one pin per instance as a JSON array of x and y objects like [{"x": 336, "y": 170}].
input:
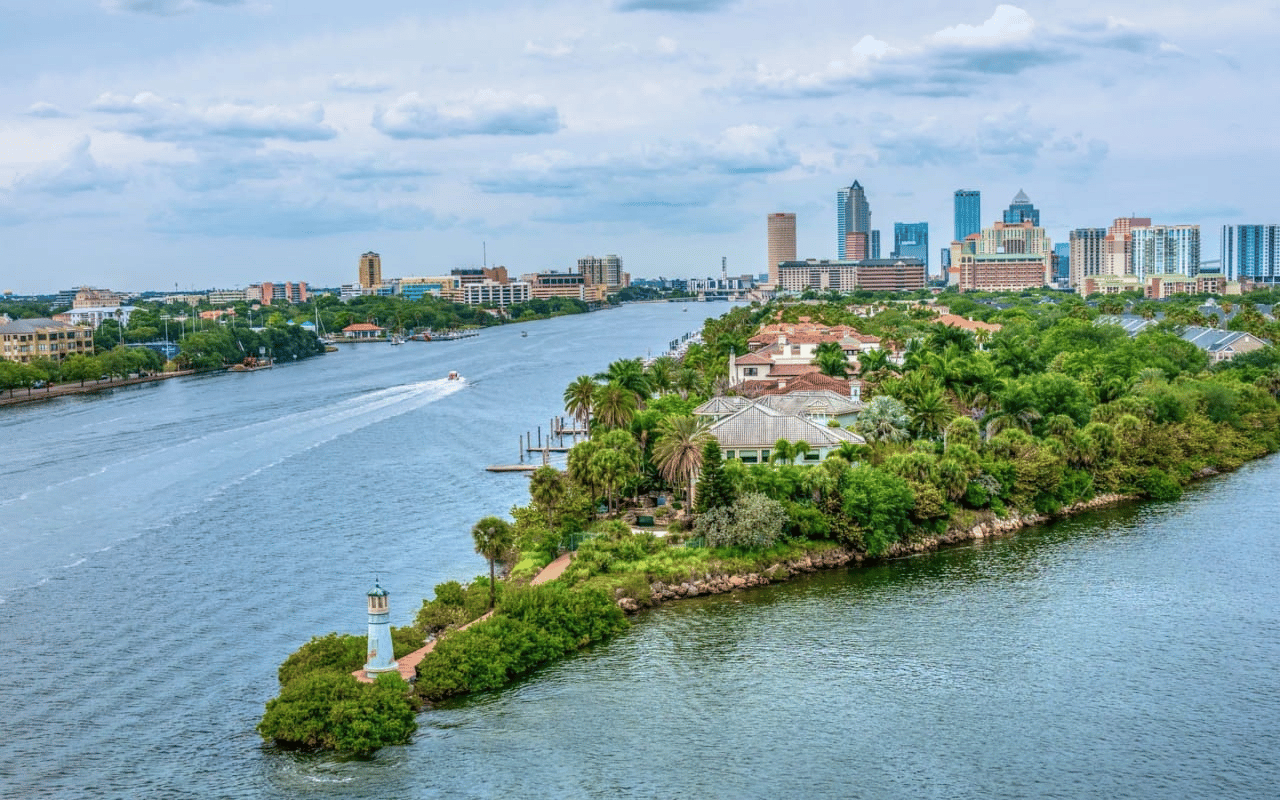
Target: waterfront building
[
  {"x": 416, "y": 288},
  {"x": 1166, "y": 250},
  {"x": 853, "y": 215},
  {"x": 92, "y": 317},
  {"x": 564, "y": 284},
  {"x": 369, "y": 274},
  {"x": 380, "y": 652},
  {"x": 269, "y": 292},
  {"x": 494, "y": 293},
  {"x": 911, "y": 240},
  {"x": 1251, "y": 253},
  {"x": 782, "y": 242},
  {"x": 23, "y": 340},
  {"x": 846, "y": 275},
  {"x": 750, "y": 434},
  {"x": 1021, "y": 210},
  {"x": 968, "y": 213},
  {"x": 605, "y": 271}
]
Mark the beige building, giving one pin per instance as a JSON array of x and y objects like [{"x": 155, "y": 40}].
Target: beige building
[
  {"x": 96, "y": 298},
  {"x": 605, "y": 271},
  {"x": 370, "y": 271},
  {"x": 26, "y": 339},
  {"x": 782, "y": 242}
]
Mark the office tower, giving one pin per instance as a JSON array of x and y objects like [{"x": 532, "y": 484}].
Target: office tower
[
  {"x": 875, "y": 243},
  {"x": 853, "y": 215},
  {"x": 1087, "y": 248},
  {"x": 968, "y": 215},
  {"x": 1021, "y": 210},
  {"x": 1166, "y": 250},
  {"x": 1251, "y": 253},
  {"x": 782, "y": 242},
  {"x": 370, "y": 272},
  {"x": 911, "y": 240},
  {"x": 1062, "y": 267}
]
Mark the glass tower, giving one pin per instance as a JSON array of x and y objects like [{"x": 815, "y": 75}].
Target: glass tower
[
  {"x": 1251, "y": 252},
  {"x": 911, "y": 240},
  {"x": 853, "y": 215},
  {"x": 1021, "y": 210},
  {"x": 968, "y": 213}
]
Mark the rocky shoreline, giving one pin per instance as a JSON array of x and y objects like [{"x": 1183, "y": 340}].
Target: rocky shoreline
[{"x": 987, "y": 526}]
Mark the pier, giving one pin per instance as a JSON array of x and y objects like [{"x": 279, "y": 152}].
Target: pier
[{"x": 557, "y": 430}]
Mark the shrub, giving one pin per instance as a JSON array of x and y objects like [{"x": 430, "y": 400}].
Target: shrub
[
  {"x": 335, "y": 711},
  {"x": 753, "y": 521}
]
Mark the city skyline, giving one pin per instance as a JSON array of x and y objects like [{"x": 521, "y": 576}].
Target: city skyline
[{"x": 210, "y": 143}]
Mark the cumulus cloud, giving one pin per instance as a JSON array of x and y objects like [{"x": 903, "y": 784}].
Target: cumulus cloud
[
  {"x": 484, "y": 113},
  {"x": 155, "y": 118},
  {"x": 956, "y": 60},
  {"x": 76, "y": 172},
  {"x": 164, "y": 8},
  {"x": 45, "y": 110}
]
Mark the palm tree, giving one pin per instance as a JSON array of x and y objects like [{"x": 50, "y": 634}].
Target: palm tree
[
  {"x": 883, "y": 420},
  {"x": 930, "y": 412},
  {"x": 547, "y": 489},
  {"x": 493, "y": 538},
  {"x": 661, "y": 374},
  {"x": 687, "y": 381},
  {"x": 615, "y": 405},
  {"x": 851, "y": 452},
  {"x": 628, "y": 373},
  {"x": 831, "y": 360},
  {"x": 678, "y": 451},
  {"x": 800, "y": 448},
  {"x": 580, "y": 398},
  {"x": 783, "y": 451}
]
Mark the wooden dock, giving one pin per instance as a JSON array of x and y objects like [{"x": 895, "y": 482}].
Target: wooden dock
[{"x": 512, "y": 467}]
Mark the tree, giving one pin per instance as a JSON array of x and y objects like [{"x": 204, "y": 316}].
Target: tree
[
  {"x": 628, "y": 373},
  {"x": 547, "y": 489},
  {"x": 580, "y": 398},
  {"x": 678, "y": 450},
  {"x": 783, "y": 451},
  {"x": 714, "y": 489},
  {"x": 494, "y": 539},
  {"x": 615, "y": 405},
  {"x": 883, "y": 420},
  {"x": 831, "y": 360},
  {"x": 616, "y": 458}
]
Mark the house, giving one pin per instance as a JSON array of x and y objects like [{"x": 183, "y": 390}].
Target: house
[
  {"x": 820, "y": 405},
  {"x": 750, "y": 434},
  {"x": 782, "y": 351},
  {"x": 1219, "y": 344}
]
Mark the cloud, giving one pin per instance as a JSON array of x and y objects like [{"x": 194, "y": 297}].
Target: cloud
[
  {"x": 155, "y": 118},
  {"x": 359, "y": 84},
  {"x": 45, "y": 110},
  {"x": 165, "y": 8},
  {"x": 485, "y": 113},
  {"x": 76, "y": 173},
  {"x": 955, "y": 61},
  {"x": 678, "y": 6},
  {"x": 277, "y": 216},
  {"x": 558, "y": 50}
]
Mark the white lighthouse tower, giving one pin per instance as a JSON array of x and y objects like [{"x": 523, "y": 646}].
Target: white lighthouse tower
[{"x": 380, "y": 652}]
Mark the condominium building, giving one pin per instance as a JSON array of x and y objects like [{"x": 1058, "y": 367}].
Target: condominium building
[
  {"x": 96, "y": 298},
  {"x": 565, "y": 284},
  {"x": 23, "y": 340},
  {"x": 782, "y": 242},
  {"x": 605, "y": 271},
  {"x": 1087, "y": 247},
  {"x": 492, "y": 293},
  {"x": 1166, "y": 250},
  {"x": 1251, "y": 253},
  {"x": 1118, "y": 251},
  {"x": 369, "y": 274}
]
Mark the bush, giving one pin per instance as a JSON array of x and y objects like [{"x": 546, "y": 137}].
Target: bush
[
  {"x": 335, "y": 711},
  {"x": 342, "y": 653},
  {"x": 753, "y": 521},
  {"x": 1156, "y": 484}
]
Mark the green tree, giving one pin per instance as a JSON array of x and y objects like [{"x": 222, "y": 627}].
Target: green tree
[
  {"x": 714, "y": 489},
  {"x": 884, "y": 419},
  {"x": 547, "y": 489},
  {"x": 493, "y": 540},
  {"x": 831, "y": 360},
  {"x": 580, "y": 398},
  {"x": 615, "y": 405},
  {"x": 678, "y": 451}
]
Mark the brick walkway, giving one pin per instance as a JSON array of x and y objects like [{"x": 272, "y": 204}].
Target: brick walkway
[{"x": 407, "y": 665}]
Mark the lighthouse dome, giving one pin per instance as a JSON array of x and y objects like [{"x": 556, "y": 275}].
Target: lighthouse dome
[{"x": 377, "y": 591}]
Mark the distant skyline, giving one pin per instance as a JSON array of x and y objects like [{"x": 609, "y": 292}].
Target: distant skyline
[{"x": 218, "y": 143}]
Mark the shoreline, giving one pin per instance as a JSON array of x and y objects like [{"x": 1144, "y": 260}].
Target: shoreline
[
  {"x": 988, "y": 526},
  {"x": 64, "y": 389}
]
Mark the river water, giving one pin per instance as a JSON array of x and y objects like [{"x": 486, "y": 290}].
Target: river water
[{"x": 164, "y": 547}]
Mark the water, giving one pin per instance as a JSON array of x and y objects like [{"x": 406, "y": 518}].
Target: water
[{"x": 164, "y": 548}]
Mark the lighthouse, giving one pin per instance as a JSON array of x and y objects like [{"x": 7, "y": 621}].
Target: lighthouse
[{"x": 380, "y": 653}]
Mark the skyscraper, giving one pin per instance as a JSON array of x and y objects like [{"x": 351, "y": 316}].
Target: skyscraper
[
  {"x": 1062, "y": 267},
  {"x": 911, "y": 240},
  {"x": 1087, "y": 248},
  {"x": 1251, "y": 252},
  {"x": 1021, "y": 210},
  {"x": 853, "y": 215},
  {"x": 782, "y": 242},
  {"x": 1166, "y": 250},
  {"x": 968, "y": 216},
  {"x": 370, "y": 272}
]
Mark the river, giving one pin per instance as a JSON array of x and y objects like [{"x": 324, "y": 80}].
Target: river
[{"x": 164, "y": 547}]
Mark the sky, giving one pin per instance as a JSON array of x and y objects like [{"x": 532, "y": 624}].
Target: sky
[{"x": 194, "y": 144}]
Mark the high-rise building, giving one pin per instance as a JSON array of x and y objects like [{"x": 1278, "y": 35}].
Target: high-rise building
[
  {"x": 1166, "y": 250},
  {"x": 968, "y": 214},
  {"x": 1251, "y": 253},
  {"x": 370, "y": 272},
  {"x": 875, "y": 243},
  {"x": 1005, "y": 257},
  {"x": 1087, "y": 255},
  {"x": 853, "y": 215},
  {"x": 1117, "y": 254},
  {"x": 1021, "y": 210},
  {"x": 782, "y": 242},
  {"x": 1062, "y": 261},
  {"x": 911, "y": 240},
  {"x": 606, "y": 271}
]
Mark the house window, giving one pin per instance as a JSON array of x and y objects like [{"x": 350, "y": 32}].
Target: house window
[
  {"x": 749, "y": 371},
  {"x": 728, "y": 454},
  {"x": 748, "y": 457},
  {"x": 812, "y": 456}
]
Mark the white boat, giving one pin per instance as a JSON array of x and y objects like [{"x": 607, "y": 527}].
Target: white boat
[{"x": 453, "y": 376}]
